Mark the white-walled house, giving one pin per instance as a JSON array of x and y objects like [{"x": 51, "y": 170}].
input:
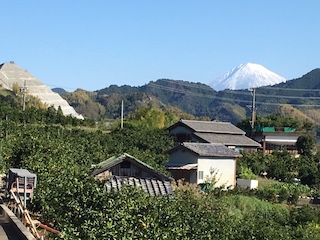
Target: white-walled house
[{"x": 199, "y": 162}]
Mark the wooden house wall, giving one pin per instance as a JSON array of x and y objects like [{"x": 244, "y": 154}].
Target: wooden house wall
[
  {"x": 189, "y": 176},
  {"x": 182, "y": 134},
  {"x": 129, "y": 171}
]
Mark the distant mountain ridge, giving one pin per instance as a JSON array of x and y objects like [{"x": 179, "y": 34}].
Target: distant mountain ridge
[
  {"x": 232, "y": 105},
  {"x": 201, "y": 100},
  {"x": 245, "y": 76},
  {"x": 195, "y": 99},
  {"x": 59, "y": 90}
]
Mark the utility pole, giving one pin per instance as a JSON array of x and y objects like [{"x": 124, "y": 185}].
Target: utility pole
[
  {"x": 253, "y": 108},
  {"x": 24, "y": 93},
  {"x": 122, "y": 114}
]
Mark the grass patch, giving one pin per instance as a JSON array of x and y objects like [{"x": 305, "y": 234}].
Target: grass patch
[{"x": 265, "y": 182}]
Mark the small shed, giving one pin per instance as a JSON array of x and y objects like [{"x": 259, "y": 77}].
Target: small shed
[
  {"x": 22, "y": 182},
  {"x": 125, "y": 169}
]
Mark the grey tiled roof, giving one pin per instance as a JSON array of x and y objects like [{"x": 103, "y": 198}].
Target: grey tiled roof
[
  {"x": 210, "y": 150},
  {"x": 210, "y": 126},
  {"x": 153, "y": 187},
  {"x": 228, "y": 139}
]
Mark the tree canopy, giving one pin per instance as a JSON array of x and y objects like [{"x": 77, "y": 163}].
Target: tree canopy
[{"x": 61, "y": 151}]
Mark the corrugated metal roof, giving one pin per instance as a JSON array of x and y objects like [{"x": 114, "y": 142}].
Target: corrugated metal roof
[
  {"x": 153, "y": 187},
  {"x": 228, "y": 139},
  {"x": 210, "y": 149},
  {"x": 22, "y": 172},
  {"x": 190, "y": 166},
  {"x": 210, "y": 126}
]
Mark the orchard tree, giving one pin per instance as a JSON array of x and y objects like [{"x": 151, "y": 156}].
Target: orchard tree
[
  {"x": 306, "y": 145},
  {"x": 308, "y": 170}
]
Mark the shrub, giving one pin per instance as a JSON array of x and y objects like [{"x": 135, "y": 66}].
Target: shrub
[{"x": 246, "y": 173}]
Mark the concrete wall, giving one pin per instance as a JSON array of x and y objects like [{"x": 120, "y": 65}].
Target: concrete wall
[
  {"x": 224, "y": 170},
  {"x": 19, "y": 231},
  {"x": 247, "y": 183}
]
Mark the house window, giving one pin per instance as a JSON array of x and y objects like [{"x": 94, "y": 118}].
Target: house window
[{"x": 200, "y": 175}]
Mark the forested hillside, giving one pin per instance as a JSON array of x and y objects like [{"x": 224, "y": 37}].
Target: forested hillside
[{"x": 200, "y": 100}]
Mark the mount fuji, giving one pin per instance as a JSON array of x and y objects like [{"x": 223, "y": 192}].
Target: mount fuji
[{"x": 245, "y": 76}]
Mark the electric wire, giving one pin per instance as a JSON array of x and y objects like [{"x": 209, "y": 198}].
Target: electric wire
[
  {"x": 292, "y": 89},
  {"x": 166, "y": 88},
  {"x": 272, "y": 95}
]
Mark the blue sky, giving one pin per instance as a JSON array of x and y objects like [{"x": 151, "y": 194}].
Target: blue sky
[{"x": 93, "y": 44}]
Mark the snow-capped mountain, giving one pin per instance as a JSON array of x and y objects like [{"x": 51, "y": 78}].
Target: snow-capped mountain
[{"x": 245, "y": 76}]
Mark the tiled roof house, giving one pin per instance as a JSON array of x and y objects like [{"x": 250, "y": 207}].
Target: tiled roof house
[
  {"x": 212, "y": 132},
  {"x": 203, "y": 147},
  {"x": 125, "y": 169},
  {"x": 202, "y": 162}
]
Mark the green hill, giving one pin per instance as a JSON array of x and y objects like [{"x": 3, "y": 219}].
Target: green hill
[{"x": 199, "y": 100}]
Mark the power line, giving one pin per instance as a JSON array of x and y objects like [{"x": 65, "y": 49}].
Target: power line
[
  {"x": 241, "y": 92},
  {"x": 187, "y": 84},
  {"x": 179, "y": 90},
  {"x": 238, "y": 100},
  {"x": 292, "y": 89},
  {"x": 270, "y": 95}
]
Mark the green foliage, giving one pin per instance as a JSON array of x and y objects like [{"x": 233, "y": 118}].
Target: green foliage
[
  {"x": 83, "y": 102},
  {"x": 246, "y": 173},
  {"x": 256, "y": 161},
  {"x": 150, "y": 145},
  {"x": 244, "y": 207},
  {"x": 37, "y": 114},
  {"x": 306, "y": 145},
  {"x": 281, "y": 165},
  {"x": 149, "y": 117},
  {"x": 280, "y": 192},
  {"x": 193, "y": 98},
  {"x": 116, "y": 89},
  {"x": 70, "y": 200},
  {"x": 152, "y": 117},
  {"x": 304, "y": 215},
  {"x": 276, "y": 120},
  {"x": 199, "y": 100}
]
